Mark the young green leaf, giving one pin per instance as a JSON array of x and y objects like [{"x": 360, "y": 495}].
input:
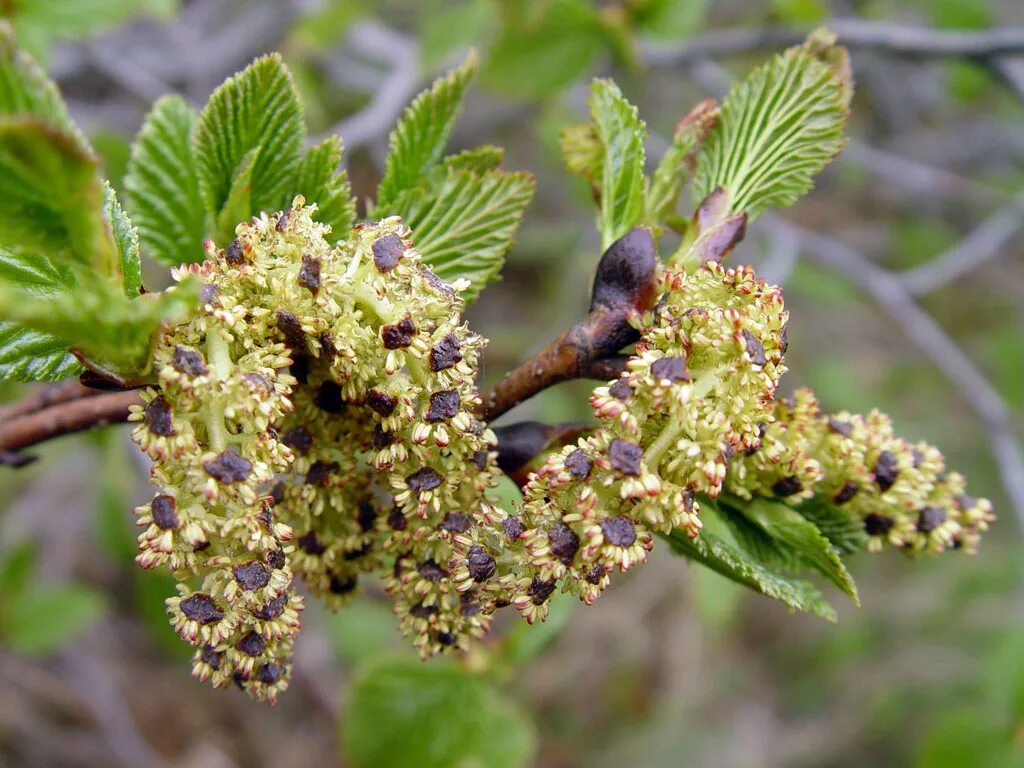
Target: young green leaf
[
  {"x": 778, "y": 128},
  {"x": 406, "y": 714},
  {"x": 239, "y": 200},
  {"x": 53, "y": 197},
  {"x": 126, "y": 240},
  {"x": 465, "y": 225},
  {"x": 320, "y": 182},
  {"x": 114, "y": 333},
  {"x": 259, "y": 108},
  {"x": 621, "y": 134},
  {"x": 729, "y": 561},
  {"x": 163, "y": 185},
  {"x": 479, "y": 159},
  {"x": 26, "y": 90},
  {"x": 27, "y": 354},
  {"x": 418, "y": 141},
  {"x": 790, "y": 529},
  {"x": 582, "y": 153}
]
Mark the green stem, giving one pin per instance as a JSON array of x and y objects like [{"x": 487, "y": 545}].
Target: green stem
[{"x": 218, "y": 357}]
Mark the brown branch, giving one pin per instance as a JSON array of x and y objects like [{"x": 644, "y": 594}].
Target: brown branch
[
  {"x": 624, "y": 284},
  {"x": 65, "y": 418},
  {"x": 44, "y": 397}
]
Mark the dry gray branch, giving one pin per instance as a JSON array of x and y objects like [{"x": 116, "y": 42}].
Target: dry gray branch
[
  {"x": 890, "y": 37},
  {"x": 983, "y": 243}
]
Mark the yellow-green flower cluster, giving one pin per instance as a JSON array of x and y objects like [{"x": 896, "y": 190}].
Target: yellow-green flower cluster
[
  {"x": 901, "y": 490},
  {"x": 210, "y": 432},
  {"x": 693, "y": 395},
  {"x": 315, "y": 417}
]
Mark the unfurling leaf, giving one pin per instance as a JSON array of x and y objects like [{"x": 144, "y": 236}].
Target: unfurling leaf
[
  {"x": 163, "y": 186},
  {"x": 258, "y": 108},
  {"x": 126, "y": 241},
  {"x": 621, "y": 134},
  {"x": 418, "y": 141},
  {"x": 778, "y": 128},
  {"x": 465, "y": 223}
]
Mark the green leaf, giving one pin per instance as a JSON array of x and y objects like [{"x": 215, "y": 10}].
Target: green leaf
[
  {"x": 29, "y": 355},
  {"x": 418, "y": 141},
  {"x": 843, "y": 528},
  {"x": 778, "y": 128},
  {"x": 667, "y": 19},
  {"x": 114, "y": 333},
  {"x": 43, "y": 620},
  {"x": 542, "y": 46},
  {"x": 674, "y": 168},
  {"x": 53, "y": 197},
  {"x": 465, "y": 225},
  {"x": 752, "y": 539},
  {"x": 26, "y": 354},
  {"x": 621, "y": 134},
  {"x": 239, "y": 200},
  {"x": 16, "y": 569},
  {"x": 126, "y": 240},
  {"x": 789, "y": 528},
  {"x": 163, "y": 185},
  {"x": 724, "y": 558},
  {"x": 406, "y": 714},
  {"x": 582, "y": 154},
  {"x": 479, "y": 159},
  {"x": 320, "y": 182},
  {"x": 258, "y": 108},
  {"x": 26, "y": 90}
]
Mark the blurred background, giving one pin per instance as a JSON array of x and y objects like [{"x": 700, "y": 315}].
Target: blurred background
[{"x": 905, "y": 280}]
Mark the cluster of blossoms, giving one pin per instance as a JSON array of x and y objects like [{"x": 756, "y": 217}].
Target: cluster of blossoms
[
  {"x": 314, "y": 418},
  {"x": 700, "y": 383},
  {"x": 901, "y": 490}
]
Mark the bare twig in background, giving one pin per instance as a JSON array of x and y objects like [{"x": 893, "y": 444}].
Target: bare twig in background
[
  {"x": 377, "y": 42},
  {"x": 87, "y": 674},
  {"x": 980, "y": 245},
  {"x": 890, "y": 37}
]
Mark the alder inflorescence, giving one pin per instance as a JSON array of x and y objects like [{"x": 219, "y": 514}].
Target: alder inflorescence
[{"x": 315, "y": 420}]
